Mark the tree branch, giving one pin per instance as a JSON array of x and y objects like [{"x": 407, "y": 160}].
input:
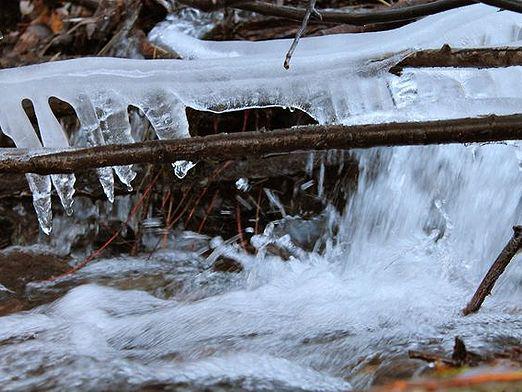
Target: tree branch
[
  {"x": 347, "y": 17},
  {"x": 498, "y": 267},
  {"x": 510, "y": 5},
  {"x": 392, "y": 14},
  {"x": 246, "y": 144},
  {"x": 462, "y": 58}
]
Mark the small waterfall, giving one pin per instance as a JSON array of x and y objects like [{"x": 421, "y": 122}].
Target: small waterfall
[
  {"x": 415, "y": 239},
  {"x": 459, "y": 201}
]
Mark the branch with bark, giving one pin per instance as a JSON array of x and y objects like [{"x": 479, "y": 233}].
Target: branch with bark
[
  {"x": 247, "y": 144},
  {"x": 461, "y": 58},
  {"x": 391, "y": 14},
  {"x": 496, "y": 270}
]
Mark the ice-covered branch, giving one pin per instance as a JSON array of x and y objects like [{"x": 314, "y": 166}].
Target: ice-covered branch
[{"x": 247, "y": 144}]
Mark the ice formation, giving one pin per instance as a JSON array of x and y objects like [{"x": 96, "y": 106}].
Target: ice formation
[{"x": 336, "y": 79}]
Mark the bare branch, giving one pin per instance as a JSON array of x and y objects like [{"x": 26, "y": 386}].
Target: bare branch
[
  {"x": 246, "y": 144},
  {"x": 309, "y": 11},
  {"x": 511, "y": 5},
  {"x": 359, "y": 18},
  {"x": 498, "y": 267},
  {"x": 462, "y": 58}
]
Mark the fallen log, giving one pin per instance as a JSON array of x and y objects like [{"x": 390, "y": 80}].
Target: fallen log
[
  {"x": 247, "y": 144},
  {"x": 498, "y": 267}
]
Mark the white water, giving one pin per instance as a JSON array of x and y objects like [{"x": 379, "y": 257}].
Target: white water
[
  {"x": 414, "y": 243},
  {"x": 417, "y": 236}
]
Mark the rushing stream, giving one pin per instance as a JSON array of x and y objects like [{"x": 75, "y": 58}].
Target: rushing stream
[{"x": 416, "y": 239}]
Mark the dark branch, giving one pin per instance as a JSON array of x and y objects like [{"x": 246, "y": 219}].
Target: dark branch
[
  {"x": 246, "y": 144},
  {"x": 498, "y": 267},
  {"x": 359, "y": 18},
  {"x": 391, "y": 14},
  {"x": 462, "y": 58},
  {"x": 511, "y": 5}
]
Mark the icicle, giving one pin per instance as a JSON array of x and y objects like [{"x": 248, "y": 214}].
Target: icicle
[
  {"x": 274, "y": 201},
  {"x": 40, "y": 187},
  {"x": 54, "y": 136},
  {"x": 115, "y": 126},
  {"x": 320, "y": 180},
  {"x": 310, "y": 164},
  {"x": 166, "y": 114},
  {"x": 17, "y": 126},
  {"x": 91, "y": 129},
  {"x": 64, "y": 184}
]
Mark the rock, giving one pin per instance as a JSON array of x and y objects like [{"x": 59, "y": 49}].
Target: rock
[
  {"x": 17, "y": 268},
  {"x": 397, "y": 369}
]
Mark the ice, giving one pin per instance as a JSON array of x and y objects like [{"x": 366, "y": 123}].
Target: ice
[
  {"x": 274, "y": 201},
  {"x": 242, "y": 184},
  {"x": 181, "y": 168},
  {"x": 111, "y": 111},
  {"x": 336, "y": 79},
  {"x": 40, "y": 187},
  {"x": 472, "y": 26},
  {"x": 106, "y": 178}
]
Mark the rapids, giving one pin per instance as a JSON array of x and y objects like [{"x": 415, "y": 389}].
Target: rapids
[{"x": 417, "y": 237}]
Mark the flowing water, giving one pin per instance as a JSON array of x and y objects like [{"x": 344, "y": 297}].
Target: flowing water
[{"x": 420, "y": 231}]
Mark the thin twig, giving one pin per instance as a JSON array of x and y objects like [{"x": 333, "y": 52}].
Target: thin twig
[
  {"x": 239, "y": 228},
  {"x": 498, "y": 267},
  {"x": 133, "y": 12},
  {"x": 309, "y": 11}
]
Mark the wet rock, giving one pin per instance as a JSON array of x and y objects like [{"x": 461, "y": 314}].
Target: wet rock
[
  {"x": 8, "y": 302},
  {"x": 17, "y": 268},
  {"x": 397, "y": 369}
]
